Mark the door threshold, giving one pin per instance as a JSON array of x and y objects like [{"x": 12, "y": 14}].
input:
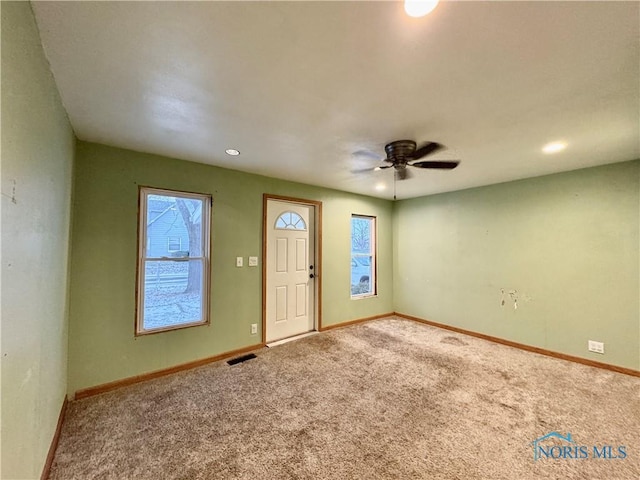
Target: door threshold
[{"x": 291, "y": 339}]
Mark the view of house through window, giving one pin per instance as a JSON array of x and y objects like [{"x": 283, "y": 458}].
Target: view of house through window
[
  {"x": 363, "y": 256},
  {"x": 173, "y": 260}
]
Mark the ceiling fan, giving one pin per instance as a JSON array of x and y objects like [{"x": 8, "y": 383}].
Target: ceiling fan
[{"x": 405, "y": 153}]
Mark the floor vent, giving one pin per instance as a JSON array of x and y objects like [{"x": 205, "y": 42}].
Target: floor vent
[{"x": 241, "y": 359}]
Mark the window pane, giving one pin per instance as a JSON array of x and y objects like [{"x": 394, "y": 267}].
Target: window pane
[
  {"x": 173, "y": 222},
  {"x": 172, "y": 293},
  {"x": 361, "y": 275},
  {"x": 363, "y": 281},
  {"x": 360, "y": 235}
]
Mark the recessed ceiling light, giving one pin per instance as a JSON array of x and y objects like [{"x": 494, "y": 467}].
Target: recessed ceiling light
[
  {"x": 380, "y": 187},
  {"x": 554, "y": 147},
  {"x": 232, "y": 151},
  {"x": 419, "y": 8}
]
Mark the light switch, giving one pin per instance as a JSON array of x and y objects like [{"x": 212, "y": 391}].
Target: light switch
[
  {"x": 253, "y": 261},
  {"x": 238, "y": 261}
]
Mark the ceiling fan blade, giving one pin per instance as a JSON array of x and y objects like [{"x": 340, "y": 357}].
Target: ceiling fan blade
[
  {"x": 367, "y": 153},
  {"x": 370, "y": 169},
  {"x": 403, "y": 174},
  {"x": 425, "y": 150},
  {"x": 363, "y": 170},
  {"x": 440, "y": 165}
]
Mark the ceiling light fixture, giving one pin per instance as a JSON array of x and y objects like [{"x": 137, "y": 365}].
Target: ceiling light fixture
[
  {"x": 419, "y": 8},
  {"x": 554, "y": 147},
  {"x": 380, "y": 187},
  {"x": 232, "y": 151}
]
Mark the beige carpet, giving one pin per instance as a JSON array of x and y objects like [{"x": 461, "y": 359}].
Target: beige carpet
[{"x": 389, "y": 399}]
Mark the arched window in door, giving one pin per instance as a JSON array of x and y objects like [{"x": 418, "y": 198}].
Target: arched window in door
[{"x": 290, "y": 221}]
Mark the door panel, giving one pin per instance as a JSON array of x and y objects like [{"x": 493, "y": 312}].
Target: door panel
[
  {"x": 289, "y": 258},
  {"x": 281, "y": 304},
  {"x": 302, "y": 263},
  {"x": 281, "y": 255},
  {"x": 301, "y": 299}
]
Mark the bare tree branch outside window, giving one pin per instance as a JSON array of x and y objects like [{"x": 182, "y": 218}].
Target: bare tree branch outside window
[
  {"x": 360, "y": 236},
  {"x": 193, "y": 229}
]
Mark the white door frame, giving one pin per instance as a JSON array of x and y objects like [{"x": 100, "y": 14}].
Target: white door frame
[{"x": 317, "y": 284}]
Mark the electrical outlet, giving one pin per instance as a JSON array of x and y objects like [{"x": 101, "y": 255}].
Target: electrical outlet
[
  {"x": 254, "y": 328},
  {"x": 596, "y": 347},
  {"x": 253, "y": 261},
  {"x": 238, "y": 261}
]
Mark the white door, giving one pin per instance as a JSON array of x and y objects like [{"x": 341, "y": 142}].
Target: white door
[{"x": 290, "y": 282}]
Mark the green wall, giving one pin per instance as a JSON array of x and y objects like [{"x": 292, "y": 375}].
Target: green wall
[
  {"x": 102, "y": 347},
  {"x": 37, "y": 158},
  {"x": 567, "y": 243}
]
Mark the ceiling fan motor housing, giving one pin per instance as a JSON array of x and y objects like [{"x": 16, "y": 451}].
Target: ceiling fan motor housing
[{"x": 400, "y": 151}]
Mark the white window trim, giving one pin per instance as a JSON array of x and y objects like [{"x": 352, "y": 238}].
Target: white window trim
[
  {"x": 143, "y": 193},
  {"x": 373, "y": 253}
]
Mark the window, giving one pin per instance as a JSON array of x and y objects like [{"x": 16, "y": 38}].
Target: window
[
  {"x": 175, "y": 244},
  {"x": 363, "y": 256},
  {"x": 173, "y": 260},
  {"x": 290, "y": 221}
]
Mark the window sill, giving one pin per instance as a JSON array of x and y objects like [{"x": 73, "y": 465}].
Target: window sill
[
  {"x": 170, "y": 328},
  {"x": 362, "y": 297}
]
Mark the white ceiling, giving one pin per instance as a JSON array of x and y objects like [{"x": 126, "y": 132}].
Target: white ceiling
[{"x": 305, "y": 89}]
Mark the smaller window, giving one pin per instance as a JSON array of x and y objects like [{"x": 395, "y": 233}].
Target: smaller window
[
  {"x": 290, "y": 221},
  {"x": 174, "y": 244},
  {"x": 363, "y": 256}
]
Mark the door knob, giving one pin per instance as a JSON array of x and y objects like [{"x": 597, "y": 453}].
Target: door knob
[{"x": 311, "y": 275}]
